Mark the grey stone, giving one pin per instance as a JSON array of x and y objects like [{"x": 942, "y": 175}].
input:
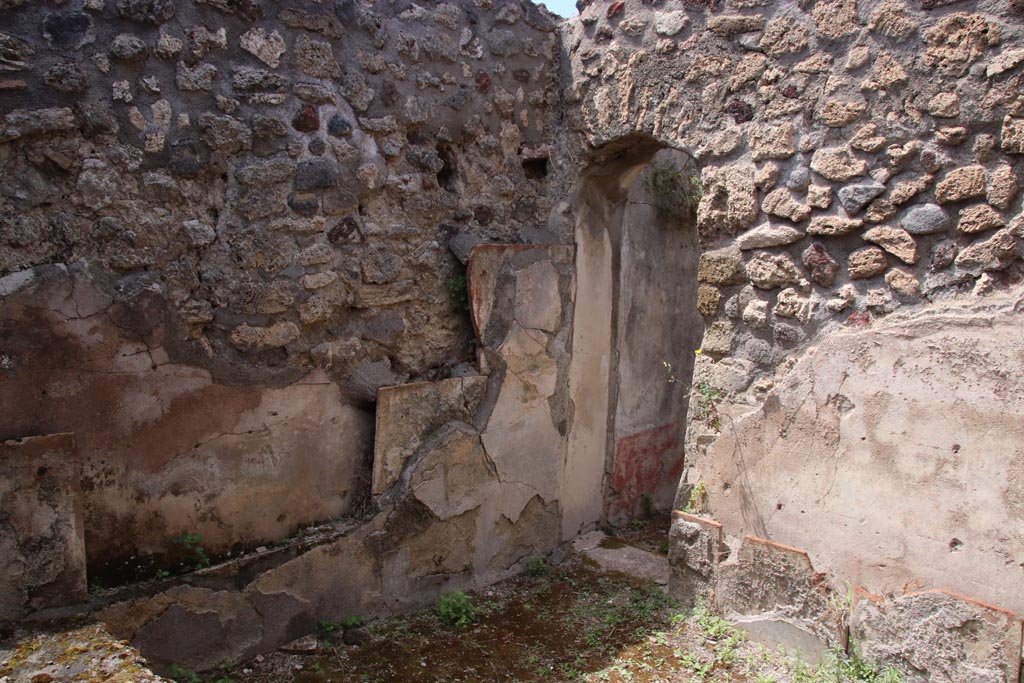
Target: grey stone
[
  {"x": 926, "y": 219},
  {"x": 768, "y": 235},
  {"x": 381, "y": 266},
  {"x": 67, "y": 77},
  {"x": 366, "y": 379},
  {"x": 787, "y": 334},
  {"x": 936, "y": 635},
  {"x": 30, "y": 122},
  {"x": 503, "y": 43},
  {"x": 799, "y": 177},
  {"x": 199, "y": 234},
  {"x": 71, "y": 30},
  {"x": 461, "y": 243},
  {"x": 250, "y": 80},
  {"x": 694, "y": 551},
  {"x": 127, "y": 47},
  {"x": 199, "y": 77},
  {"x": 250, "y": 10},
  {"x": 146, "y": 11},
  {"x": 265, "y": 46},
  {"x": 225, "y": 133},
  {"x": 339, "y": 126},
  {"x": 317, "y": 174},
  {"x": 855, "y": 197},
  {"x": 315, "y": 58}
]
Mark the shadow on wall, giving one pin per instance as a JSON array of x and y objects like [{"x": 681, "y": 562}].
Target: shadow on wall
[{"x": 636, "y": 326}]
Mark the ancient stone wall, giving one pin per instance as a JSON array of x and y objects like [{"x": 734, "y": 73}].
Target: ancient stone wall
[
  {"x": 239, "y": 215},
  {"x": 235, "y": 240},
  {"x": 855, "y": 158}
]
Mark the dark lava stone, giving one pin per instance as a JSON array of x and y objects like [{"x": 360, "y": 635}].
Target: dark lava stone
[
  {"x": 339, "y": 127},
  {"x": 306, "y": 119},
  {"x": 740, "y": 111},
  {"x": 67, "y": 30},
  {"x": 317, "y": 147},
  {"x": 146, "y": 11},
  {"x": 67, "y": 77},
  {"x": 304, "y": 204},
  {"x": 316, "y": 175}
]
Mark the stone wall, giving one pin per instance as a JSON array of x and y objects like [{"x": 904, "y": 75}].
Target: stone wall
[
  {"x": 239, "y": 215},
  {"x": 856, "y": 159},
  {"x": 402, "y": 266}
]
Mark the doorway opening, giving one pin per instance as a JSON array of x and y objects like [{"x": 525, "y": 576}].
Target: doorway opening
[{"x": 636, "y": 327}]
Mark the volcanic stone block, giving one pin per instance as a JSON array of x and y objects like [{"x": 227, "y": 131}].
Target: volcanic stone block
[
  {"x": 772, "y": 591},
  {"x": 694, "y": 548},
  {"x": 938, "y": 636}
]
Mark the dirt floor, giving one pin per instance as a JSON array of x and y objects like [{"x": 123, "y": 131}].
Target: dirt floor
[
  {"x": 581, "y": 621},
  {"x": 571, "y": 622}
]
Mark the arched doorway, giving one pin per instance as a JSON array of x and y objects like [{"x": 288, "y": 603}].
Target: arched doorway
[{"x": 635, "y": 329}]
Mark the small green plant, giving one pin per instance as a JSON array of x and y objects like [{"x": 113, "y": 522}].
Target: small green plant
[
  {"x": 353, "y": 621},
  {"x": 698, "y": 502},
  {"x": 455, "y": 609},
  {"x": 536, "y": 567},
  {"x": 699, "y": 669},
  {"x": 192, "y": 547},
  {"x": 713, "y": 626},
  {"x": 183, "y": 675},
  {"x": 853, "y": 667},
  {"x": 327, "y": 627},
  {"x": 458, "y": 294},
  {"x": 707, "y": 398},
  {"x": 675, "y": 192}
]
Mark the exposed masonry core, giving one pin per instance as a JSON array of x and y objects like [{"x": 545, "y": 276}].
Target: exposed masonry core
[{"x": 432, "y": 276}]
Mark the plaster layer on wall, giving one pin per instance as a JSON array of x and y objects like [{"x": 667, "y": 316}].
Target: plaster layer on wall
[
  {"x": 893, "y": 454},
  {"x": 162, "y": 448},
  {"x": 774, "y": 593}
]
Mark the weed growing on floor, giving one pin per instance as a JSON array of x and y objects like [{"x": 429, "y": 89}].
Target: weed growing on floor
[
  {"x": 192, "y": 547},
  {"x": 183, "y": 675},
  {"x": 536, "y": 567},
  {"x": 455, "y": 609}
]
